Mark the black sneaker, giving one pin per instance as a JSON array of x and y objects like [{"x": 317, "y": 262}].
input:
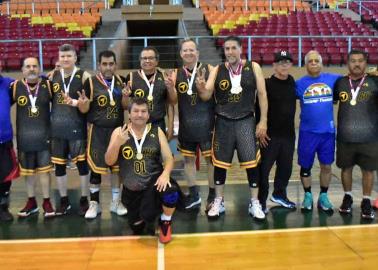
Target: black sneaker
[
  {"x": 193, "y": 201},
  {"x": 5, "y": 215},
  {"x": 64, "y": 207},
  {"x": 83, "y": 206},
  {"x": 366, "y": 209},
  {"x": 346, "y": 206}
]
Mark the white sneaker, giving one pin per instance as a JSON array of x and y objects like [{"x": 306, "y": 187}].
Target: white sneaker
[
  {"x": 217, "y": 208},
  {"x": 93, "y": 210},
  {"x": 255, "y": 210},
  {"x": 118, "y": 208}
]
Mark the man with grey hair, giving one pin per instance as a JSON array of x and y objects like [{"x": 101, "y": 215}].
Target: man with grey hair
[{"x": 316, "y": 129}]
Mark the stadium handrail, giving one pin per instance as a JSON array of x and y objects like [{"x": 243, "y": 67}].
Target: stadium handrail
[{"x": 196, "y": 38}]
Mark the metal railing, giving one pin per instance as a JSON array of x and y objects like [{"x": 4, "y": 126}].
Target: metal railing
[{"x": 145, "y": 41}]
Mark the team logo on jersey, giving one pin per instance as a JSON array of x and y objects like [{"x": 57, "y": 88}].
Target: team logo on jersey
[
  {"x": 246, "y": 68},
  {"x": 44, "y": 86},
  {"x": 127, "y": 152},
  {"x": 139, "y": 93},
  {"x": 22, "y": 100},
  {"x": 343, "y": 96},
  {"x": 102, "y": 100},
  {"x": 78, "y": 76},
  {"x": 56, "y": 87},
  {"x": 224, "y": 84},
  {"x": 183, "y": 87}
]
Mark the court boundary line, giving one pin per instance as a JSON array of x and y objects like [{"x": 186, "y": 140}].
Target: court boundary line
[
  {"x": 186, "y": 235},
  {"x": 160, "y": 256}
]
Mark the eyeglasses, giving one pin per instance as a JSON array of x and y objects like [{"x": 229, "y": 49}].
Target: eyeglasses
[{"x": 150, "y": 58}]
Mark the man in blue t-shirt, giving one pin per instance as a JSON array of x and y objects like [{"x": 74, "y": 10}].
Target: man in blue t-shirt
[
  {"x": 8, "y": 164},
  {"x": 316, "y": 129}
]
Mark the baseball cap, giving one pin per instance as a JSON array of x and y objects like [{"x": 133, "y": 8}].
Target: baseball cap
[{"x": 282, "y": 55}]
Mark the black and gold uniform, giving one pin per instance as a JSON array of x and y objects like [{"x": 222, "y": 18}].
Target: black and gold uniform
[
  {"x": 103, "y": 117},
  {"x": 139, "y": 194},
  {"x": 357, "y": 125},
  {"x": 196, "y": 117},
  {"x": 33, "y": 127},
  {"x": 158, "y": 106},
  {"x": 68, "y": 124},
  {"x": 235, "y": 123}
]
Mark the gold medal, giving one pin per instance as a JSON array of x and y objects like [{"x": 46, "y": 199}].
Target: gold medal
[
  {"x": 34, "y": 110},
  {"x": 353, "y": 102},
  {"x": 112, "y": 103},
  {"x": 139, "y": 156},
  {"x": 150, "y": 98}
]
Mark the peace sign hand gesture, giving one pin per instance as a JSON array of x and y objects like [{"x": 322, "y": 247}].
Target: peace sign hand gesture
[
  {"x": 83, "y": 99},
  {"x": 126, "y": 90},
  {"x": 123, "y": 134},
  {"x": 168, "y": 79},
  {"x": 200, "y": 80}
]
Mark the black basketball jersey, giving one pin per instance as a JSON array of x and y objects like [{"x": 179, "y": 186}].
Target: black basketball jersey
[
  {"x": 67, "y": 122},
  {"x": 235, "y": 106},
  {"x": 358, "y": 123},
  {"x": 33, "y": 127},
  {"x": 139, "y": 88},
  {"x": 196, "y": 117},
  {"x": 102, "y": 113},
  {"x": 137, "y": 174}
]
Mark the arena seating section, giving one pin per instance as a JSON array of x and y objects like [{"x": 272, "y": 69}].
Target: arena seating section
[
  {"x": 284, "y": 20},
  {"x": 72, "y": 21}
]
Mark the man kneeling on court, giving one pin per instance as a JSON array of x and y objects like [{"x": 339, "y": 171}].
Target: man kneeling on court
[{"x": 147, "y": 187}]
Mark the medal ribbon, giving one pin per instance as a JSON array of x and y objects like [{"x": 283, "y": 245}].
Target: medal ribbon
[
  {"x": 137, "y": 144},
  {"x": 67, "y": 87},
  {"x": 191, "y": 81},
  {"x": 357, "y": 90},
  {"x": 150, "y": 85},
  {"x": 109, "y": 88},
  {"x": 33, "y": 99},
  {"x": 235, "y": 76}
]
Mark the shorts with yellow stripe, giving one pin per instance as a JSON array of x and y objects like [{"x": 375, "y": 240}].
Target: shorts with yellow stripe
[
  {"x": 98, "y": 141},
  {"x": 34, "y": 162},
  {"x": 61, "y": 149},
  {"x": 231, "y": 135},
  {"x": 188, "y": 149}
]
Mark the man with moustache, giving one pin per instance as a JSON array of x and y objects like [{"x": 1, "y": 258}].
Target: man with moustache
[
  {"x": 234, "y": 85},
  {"x": 8, "y": 166},
  {"x": 149, "y": 82},
  {"x": 148, "y": 190},
  {"x": 316, "y": 129},
  {"x": 105, "y": 113},
  {"x": 33, "y": 96},
  {"x": 279, "y": 149},
  {"x": 357, "y": 130},
  {"x": 196, "y": 120},
  {"x": 68, "y": 126}
]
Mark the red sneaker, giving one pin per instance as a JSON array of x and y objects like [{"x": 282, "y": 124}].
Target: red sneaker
[
  {"x": 165, "y": 231},
  {"x": 31, "y": 207},
  {"x": 375, "y": 203},
  {"x": 48, "y": 209}
]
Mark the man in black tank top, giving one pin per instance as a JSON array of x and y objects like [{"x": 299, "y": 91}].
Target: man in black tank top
[
  {"x": 234, "y": 85},
  {"x": 33, "y": 96},
  {"x": 149, "y": 82},
  {"x": 196, "y": 120},
  {"x": 68, "y": 126},
  {"x": 148, "y": 189},
  {"x": 357, "y": 130},
  {"x": 105, "y": 113}
]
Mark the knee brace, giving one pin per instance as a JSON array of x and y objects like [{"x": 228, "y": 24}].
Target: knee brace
[
  {"x": 219, "y": 176},
  {"x": 170, "y": 199},
  {"x": 60, "y": 170},
  {"x": 82, "y": 167},
  {"x": 305, "y": 172},
  {"x": 253, "y": 177},
  {"x": 95, "y": 178}
]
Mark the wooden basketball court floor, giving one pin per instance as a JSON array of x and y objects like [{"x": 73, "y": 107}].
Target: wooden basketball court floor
[{"x": 285, "y": 240}]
